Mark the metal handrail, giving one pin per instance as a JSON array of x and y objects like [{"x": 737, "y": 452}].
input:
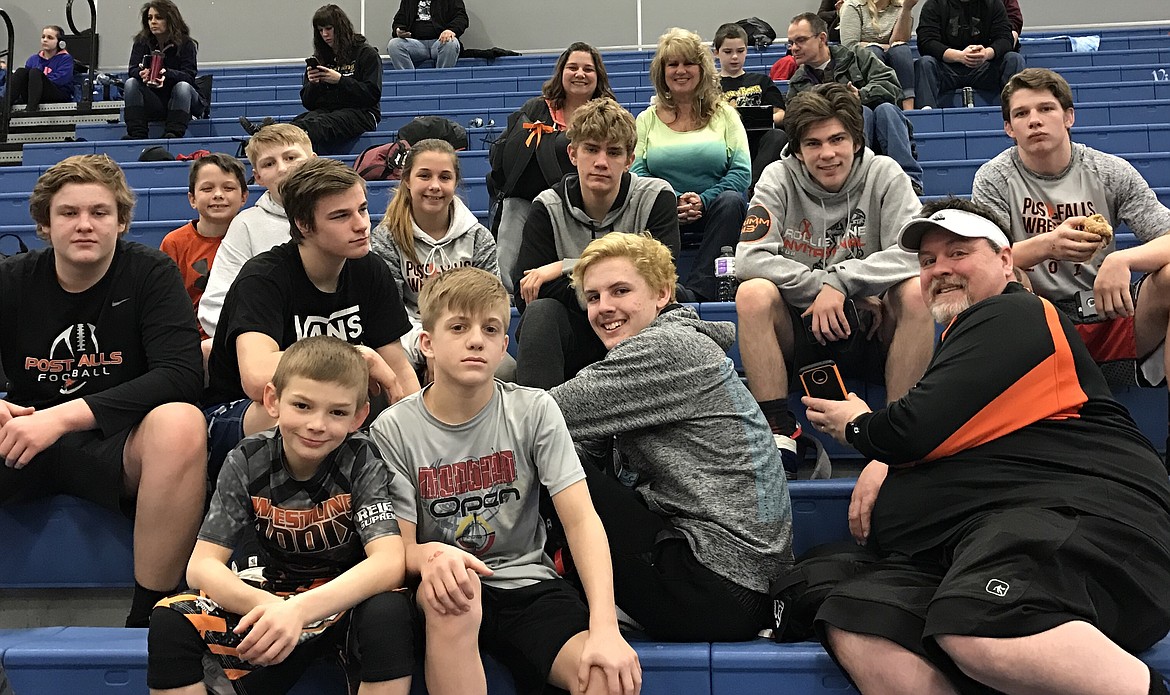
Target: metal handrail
[
  {"x": 7, "y": 115},
  {"x": 87, "y": 96}
]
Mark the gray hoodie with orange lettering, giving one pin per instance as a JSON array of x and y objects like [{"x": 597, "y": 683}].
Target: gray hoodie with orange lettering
[{"x": 802, "y": 237}]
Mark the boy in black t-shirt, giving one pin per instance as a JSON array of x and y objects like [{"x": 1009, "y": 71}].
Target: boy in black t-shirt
[
  {"x": 324, "y": 281},
  {"x": 750, "y": 89},
  {"x": 316, "y": 495},
  {"x": 102, "y": 353}
]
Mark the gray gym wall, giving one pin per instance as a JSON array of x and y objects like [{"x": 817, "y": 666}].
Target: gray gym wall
[{"x": 245, "y": 30}]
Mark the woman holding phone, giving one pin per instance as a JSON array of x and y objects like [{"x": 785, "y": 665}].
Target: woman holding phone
[
  {"x": 342, "y": 85},
  {"x": 163, "y": 65}
]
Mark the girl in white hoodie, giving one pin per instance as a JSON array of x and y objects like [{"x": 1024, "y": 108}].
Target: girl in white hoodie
[{"x": 427, "y": 229}]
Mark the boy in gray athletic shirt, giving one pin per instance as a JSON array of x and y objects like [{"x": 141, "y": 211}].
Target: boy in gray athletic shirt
[
  {"x": 470, "y": 454},
  {"x": 1044, "y": 188}
]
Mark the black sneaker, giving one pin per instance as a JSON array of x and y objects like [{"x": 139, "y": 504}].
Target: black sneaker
[{"x": 251, "y": 128}]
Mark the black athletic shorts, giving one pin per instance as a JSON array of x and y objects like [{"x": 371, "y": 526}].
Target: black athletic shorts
[
  {"x": 526, "y": 628},
  {"x": 193, "y": 639},
  {"x": 83, "y": 464},
  {"x": 856, "y": 357},
  {"x": 1011, "y": 574}
]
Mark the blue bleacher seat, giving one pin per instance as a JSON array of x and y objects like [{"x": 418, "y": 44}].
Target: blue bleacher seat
[
  {"x": 760, "y": 667},
  {"x": 97, "y": 661},
  {"x": 64, "y": 541}
]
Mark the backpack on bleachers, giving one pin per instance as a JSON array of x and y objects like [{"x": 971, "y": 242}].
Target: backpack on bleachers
[
  {"x": 382, "y": 162},
  {"x": 385, "y": 162},
  {"x": 760, "y": 33},
  {"x": 798, "y": 592},
  {"x": 434, "y": 127}
]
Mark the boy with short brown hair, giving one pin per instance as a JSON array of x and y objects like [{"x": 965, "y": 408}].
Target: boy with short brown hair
[
  {"x": 216, "y": 188},
  {"x": 102, "y": 357},
  {"x": 470, "y": 454},
  {"x": 602, "y": 196},
  {"x": 316, "y": 493}
]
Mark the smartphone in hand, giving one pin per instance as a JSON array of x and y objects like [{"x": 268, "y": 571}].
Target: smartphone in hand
[
  {"x": 852, "y": 318},
  {"x": 312, "y": 62},
  {"x": 1086, "y": 304},
  {"x": 823, "y": 380}
]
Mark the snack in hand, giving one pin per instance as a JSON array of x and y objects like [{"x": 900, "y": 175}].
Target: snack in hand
[{"x": 1096, "y": 224}]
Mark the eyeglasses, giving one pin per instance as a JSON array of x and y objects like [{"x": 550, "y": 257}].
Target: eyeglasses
[{"x": 799, "y": 41}]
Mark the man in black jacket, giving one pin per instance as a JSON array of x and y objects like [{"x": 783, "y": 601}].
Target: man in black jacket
[
  {"x": 1024, "y": 524},
  {"x": 887, "y": 131},
  {"x": 427, "y": 29},
  {"x": 963, "y": 43}
]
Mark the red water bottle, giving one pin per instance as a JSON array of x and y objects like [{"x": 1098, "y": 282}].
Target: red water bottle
[{"x": 156, "y": 67}]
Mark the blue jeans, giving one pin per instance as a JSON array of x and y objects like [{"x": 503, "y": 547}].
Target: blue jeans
[
  {"x": 888, "y": 127},
  {"x": 933, "y": 76},
  {"x": 902, "y": 61},
  {"x": 184, "y": 97},
  {"x": 404, "y": 53}
]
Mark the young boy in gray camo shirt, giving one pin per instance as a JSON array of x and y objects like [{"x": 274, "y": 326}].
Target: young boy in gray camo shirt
[
  {"x": 315, "y": 493},
  {"x": 705, "y": 523},
  {"x": 469, "y": 455}
]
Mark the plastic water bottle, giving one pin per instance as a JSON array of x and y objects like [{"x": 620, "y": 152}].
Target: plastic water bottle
[{"x": 725, "y": 274}]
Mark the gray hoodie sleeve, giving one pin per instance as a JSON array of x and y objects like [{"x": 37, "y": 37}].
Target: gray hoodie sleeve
[
  {"x": 877, "y": 272},
  {"x": 483, "y": 253},
  {"x": 760, "y": 252},
  {"x": 634, "y": 387},
  {"x": 384, "y": 246}
]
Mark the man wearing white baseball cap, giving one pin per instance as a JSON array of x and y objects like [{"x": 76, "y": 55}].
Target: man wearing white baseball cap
[{"x": 1024, "y": 525}]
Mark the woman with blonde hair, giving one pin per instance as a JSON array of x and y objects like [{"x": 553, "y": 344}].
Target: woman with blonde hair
[
  {"x": 884, "y": 27},
  {"x": 694, "y": 140}
]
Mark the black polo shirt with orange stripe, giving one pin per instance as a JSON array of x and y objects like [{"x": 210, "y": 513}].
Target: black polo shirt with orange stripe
[{"x": 1012, "y": 412}]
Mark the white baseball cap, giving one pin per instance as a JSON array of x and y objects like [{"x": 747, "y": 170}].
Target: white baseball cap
[{"x": 961, "y": 222}]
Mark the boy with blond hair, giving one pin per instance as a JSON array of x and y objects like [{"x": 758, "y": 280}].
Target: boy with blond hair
[
  {"x": 102, "y": 357},
  {"x": 274, "y": 151},
  {"x": 555, "y": 339},
  {"x": 697, "y": 508},
  {"x": 316, "y": 495},
  {"x": 470, "y": 455},
  {"x": 323, "y": 281}
]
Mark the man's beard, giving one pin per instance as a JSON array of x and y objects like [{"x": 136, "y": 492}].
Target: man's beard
[{"x": 946, "y": 307}]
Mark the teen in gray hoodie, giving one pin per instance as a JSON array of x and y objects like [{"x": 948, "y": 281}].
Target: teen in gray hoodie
[
  {"x": 703, "y": 521},
  {"x": 554, "y": 338},
  {"x": 822, "y": 229}
]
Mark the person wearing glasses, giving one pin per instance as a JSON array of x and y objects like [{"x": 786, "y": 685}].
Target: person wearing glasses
[{"x": 887, "y": 131}]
